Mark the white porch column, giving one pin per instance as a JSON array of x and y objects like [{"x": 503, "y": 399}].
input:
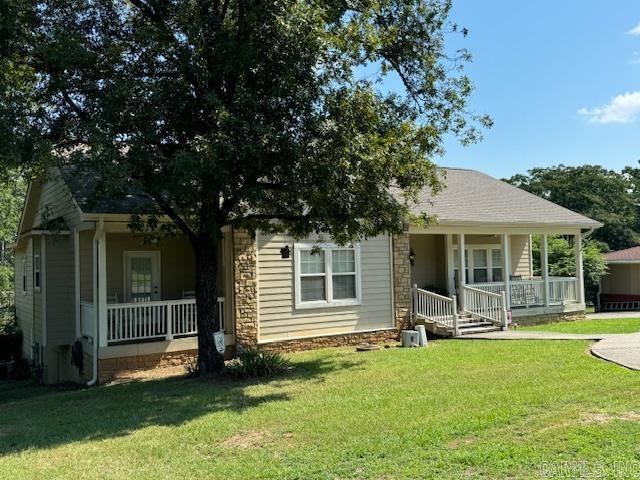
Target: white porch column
[
  {"x": 102, "y": 284},
  {"x": 544, "y": 262},
  {"x": 505, "y": 240},
  {"x": 451, "y": 284},
  {"x": 579, "y": 272},
  {"x": 462, "y": 270}
]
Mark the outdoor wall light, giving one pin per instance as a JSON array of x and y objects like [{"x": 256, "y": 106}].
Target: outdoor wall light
[
  {"x": 285, "y": 252},
  {"x": 412, "y": 257}
]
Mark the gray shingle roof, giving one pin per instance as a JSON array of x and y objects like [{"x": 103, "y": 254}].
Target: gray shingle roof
[
  {"x": 84, "y": 186},
  {"x": 472, "y": 197}
]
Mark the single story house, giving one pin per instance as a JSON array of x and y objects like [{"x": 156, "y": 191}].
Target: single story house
[
  {"x": 83, "y": 278},
  {"x": 620, "y": 286}
]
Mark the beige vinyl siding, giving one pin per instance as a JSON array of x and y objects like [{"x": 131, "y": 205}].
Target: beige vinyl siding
[
  {"x": 60, "y": 290},
  {"x": 37, "y": 294},
  {"x": 622, "y": 279},
  {"x": 176, "y": 258},
  {"x": 86, "y": 265},
  {"x": 521, "y": 255},
  {"x": 429, "y": 271},
  {"x": 277, "y": 317},
  {"x": 520, "y": 250},
  {"x": 56, "y": 201},
  {"x": 24, "y": 303}
]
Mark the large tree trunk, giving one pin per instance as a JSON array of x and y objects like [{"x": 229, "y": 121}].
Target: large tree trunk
[{"x": 206, "y": 248}]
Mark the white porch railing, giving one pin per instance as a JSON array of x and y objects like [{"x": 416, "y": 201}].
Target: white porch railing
[
  {"x": 435, "y": 308},
  {"x": 151, "y": 320},
  {"x": 563, "y": 290},
  {"x": 530, "y": 293},
  {"x": 486, "y": 305}
]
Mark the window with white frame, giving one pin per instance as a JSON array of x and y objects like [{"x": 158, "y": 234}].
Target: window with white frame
[
  {"x": 24, "y": 275},
  {"x": 480, "y": 266},
  {"x": 483, "y": 264},
  {"x": 37, "y": 271},
  {"x": 496, "y": 265},
  {"x": 326, "y": 275}
]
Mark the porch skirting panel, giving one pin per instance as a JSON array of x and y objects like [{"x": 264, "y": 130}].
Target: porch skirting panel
[{"x": 110, "y": 369}]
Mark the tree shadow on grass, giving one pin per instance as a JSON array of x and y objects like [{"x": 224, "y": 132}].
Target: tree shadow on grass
[{"x": 47, "y": 417}]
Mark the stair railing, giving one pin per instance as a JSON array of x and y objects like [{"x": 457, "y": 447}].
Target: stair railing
[
  {"x": 438, "y": 309},
  {"x": 486, "y": 305}
]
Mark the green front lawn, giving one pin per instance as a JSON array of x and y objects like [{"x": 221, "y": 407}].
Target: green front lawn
[
  {"x": 610, "y": 325},
  {"x": 458, "y": 409}
]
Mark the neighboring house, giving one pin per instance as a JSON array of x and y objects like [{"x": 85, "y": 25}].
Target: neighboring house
[
  {"x": 620, "y": 286},
  {"x": 83, "y": 275}
]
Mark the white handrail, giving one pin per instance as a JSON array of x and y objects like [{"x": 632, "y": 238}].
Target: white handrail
[
  {"x": 435, "y": 308},
  {"x": 486, "y": 305},
  {"x": 151, "y": 320},
  {"x": 531, "y": 292}
]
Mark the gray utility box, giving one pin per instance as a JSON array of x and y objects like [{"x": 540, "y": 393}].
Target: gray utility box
[{"x": 410, "y": 338}]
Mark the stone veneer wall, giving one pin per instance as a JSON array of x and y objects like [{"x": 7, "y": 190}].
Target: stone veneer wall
[
  {"x": 550, "y": 318},
  {"x": 402, "y": 281},
  {"x": 245, "y": 282},
  {"x": 331, "y": 341}
]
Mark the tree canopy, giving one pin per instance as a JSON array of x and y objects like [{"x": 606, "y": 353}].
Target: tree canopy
[
  {"x": 605, "y": 195},
  {"x": 242, "y": 113}
]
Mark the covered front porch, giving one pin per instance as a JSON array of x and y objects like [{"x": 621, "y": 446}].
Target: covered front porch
[
  {"x": 498, "y": 281},
  {"x": 140, "y": 291}
]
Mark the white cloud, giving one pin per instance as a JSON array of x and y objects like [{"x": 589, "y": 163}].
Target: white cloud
[
  {"x": 624, "y": 108},
  {"x": 635, "y": 30}
]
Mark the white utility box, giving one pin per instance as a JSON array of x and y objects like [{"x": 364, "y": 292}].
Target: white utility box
[{"x": 422, "y": 335}]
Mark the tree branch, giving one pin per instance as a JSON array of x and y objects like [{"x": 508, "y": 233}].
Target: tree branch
[{"x": 173, "y": 215}]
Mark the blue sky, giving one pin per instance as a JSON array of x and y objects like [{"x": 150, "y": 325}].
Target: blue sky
[{"x": 548, "y": 72}]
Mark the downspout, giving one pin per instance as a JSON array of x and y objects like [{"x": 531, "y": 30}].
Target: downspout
[
  {"x": 96, "y": 315},
  {"x": 587, "y": 233}
]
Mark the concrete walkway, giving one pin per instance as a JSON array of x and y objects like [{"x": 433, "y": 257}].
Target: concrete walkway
[
  {"x": 532, "y": 335},
  {"x": 607, "y": 315},
  {"x": 621, "y": 349}
]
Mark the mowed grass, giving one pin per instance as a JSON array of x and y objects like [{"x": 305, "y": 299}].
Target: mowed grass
[
  {"x": 609, "y": 325},
  {"x": 457, "y": 409}
]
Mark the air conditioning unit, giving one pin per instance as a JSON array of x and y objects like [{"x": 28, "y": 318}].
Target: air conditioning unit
[{"x": 410, "y": 338}]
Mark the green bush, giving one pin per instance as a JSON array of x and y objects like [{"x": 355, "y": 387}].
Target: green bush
[
  {"x": 258, "y": 363},
  {"x": 6, "y": 278}
]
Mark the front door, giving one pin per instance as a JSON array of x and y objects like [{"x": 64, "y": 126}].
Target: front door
[{"x": 142, "y": 276}]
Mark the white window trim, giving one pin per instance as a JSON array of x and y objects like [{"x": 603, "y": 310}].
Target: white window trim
[
  {"x": 328, "y": 274},
  {"x": 470, "y": 264},
  {"x": 37, "y": 272}
]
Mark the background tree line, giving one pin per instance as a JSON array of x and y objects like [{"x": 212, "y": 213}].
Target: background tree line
[{"x": 608, "y": 196}]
